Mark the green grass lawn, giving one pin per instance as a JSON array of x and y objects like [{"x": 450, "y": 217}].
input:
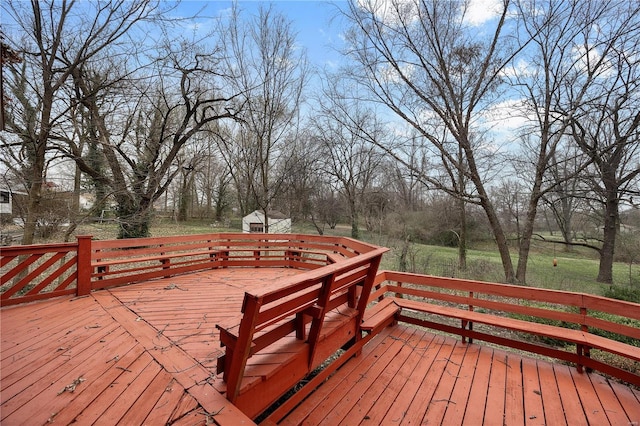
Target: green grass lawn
[{"x": 575, "y": 271}]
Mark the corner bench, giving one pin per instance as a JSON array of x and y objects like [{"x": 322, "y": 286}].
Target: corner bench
[
  {"x": 397, "y": 295},
  {"x": 292, "y": 327}
]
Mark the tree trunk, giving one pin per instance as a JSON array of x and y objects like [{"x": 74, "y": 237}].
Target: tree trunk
[
  {"x": 605, "y": 270},
  {"x": 34, "y": 199},
  {"x": 75, "y": 202},
  {"x": 355, "y": 230},
  {"x": 33, "y": 204},
  {"x": 403, "y": 265},
  {"x": 266, "y": 221},
  {"x": 462, "y": 236},
  {"x": 503, "y": 246},
  {"x": 134, "y": 218},
  {"x": 185, "y": 199},
  {"x": 527, "y": 231},
  {"x": 525, "y": 242},
  {"x": 492, "y": 217}
]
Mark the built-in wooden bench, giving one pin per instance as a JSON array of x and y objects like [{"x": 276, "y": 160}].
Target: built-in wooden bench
[
  {"x": 102, "y": 266},
  {"x": 422, "y": 300},
  {"x": 118, "y": 262},
  {"x": 288, "y": 330}
]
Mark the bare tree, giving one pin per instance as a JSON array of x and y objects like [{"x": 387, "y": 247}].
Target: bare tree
[
  {"x": 304, "y": 183},
  {"x": 142, "y": 147},
  {"x": 554, "y": 85},
  {"x": 567, "y": 190},
  {"x": 271, "y": 72},
  {"x": 425, "y": 62},
  {"x": 213, "y": 181},
  {"x": 607, "y": 126},
  {"x": 58, "y": 39},
  {"x": 349, "y": 134},
  {"x": 7, "y": 56}
]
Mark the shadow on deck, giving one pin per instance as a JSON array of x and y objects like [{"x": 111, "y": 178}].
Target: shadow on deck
[{"x": 146, "y": 354}]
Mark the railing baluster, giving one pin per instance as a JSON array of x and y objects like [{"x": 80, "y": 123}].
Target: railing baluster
[{"x": 83, "y": 268}]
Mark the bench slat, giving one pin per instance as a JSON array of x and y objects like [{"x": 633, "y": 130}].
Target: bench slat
[
  {"x": 577, "y": 337},
  {"x": 380, "y": 315}
]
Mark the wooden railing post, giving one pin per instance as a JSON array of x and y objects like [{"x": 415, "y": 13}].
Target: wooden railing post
[{"x": 83, "y": 267}]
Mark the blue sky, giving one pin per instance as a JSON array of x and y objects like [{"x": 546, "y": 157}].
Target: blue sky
[{"x": 311, "y": 20}]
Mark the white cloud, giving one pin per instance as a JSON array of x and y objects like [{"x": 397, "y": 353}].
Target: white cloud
[
  {"x": 506, "y": 118},
  {"x": 521, "y": 68},
  {"x": 476, "y": 12},
  {"x": 480, "y": 11},
  {"x": 391, "y": 11},
  {"x": 588, "y": 59}
]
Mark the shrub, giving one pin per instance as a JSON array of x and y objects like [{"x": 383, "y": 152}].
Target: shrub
[{"x": 629, "y": 294}]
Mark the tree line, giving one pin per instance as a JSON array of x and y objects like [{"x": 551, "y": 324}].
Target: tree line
[{"x": 529, "y": 115}]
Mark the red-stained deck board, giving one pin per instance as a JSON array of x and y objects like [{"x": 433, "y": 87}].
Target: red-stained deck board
[
  {"x": 185, "y": 369},
  {"x": 629, "y": 401},
  {"x": 495, "y": 397},
  {"x": 610, "y": 403},
  {"x": 151, "y": 387},
  {"x": 421, "y": 401},
  {"x": 89, "y": 392},
  {"x": 369, "y": 398},
  {"x": 455, "y": 383},
  {"x": 126, "y": 368},
  {"x": 48, "y": 396},
  {"x": 405, "y": 394},
  {"x": 160, "y": 412},
  {"x": 532, "y": 395},
  {"x": 476, "y": 403},
  {"x": 573, "y": 409},
  {"x": 187, "y": 404},
  {"x": 135, "y": 383},
  {"x": 553, "y": 409},
  {"x": 589, "y": 398},
  {"x": 36, "y": 363},
  {"x": 369, "y": 381},
  {"x": 513, "y": 402},
  {"x": 42, "y": 390},
  {"x": 356, "y": 384},
  {"x": 460, "y": 396},
  {"x": 402, "y": 370},
  {"x": 442, "y": 398},
  {"x": 321, "y": 401},
  {"x": 116, "y": 391},
  {"x": 17, "y": 336},
  {"x": 195, "y": 417}
]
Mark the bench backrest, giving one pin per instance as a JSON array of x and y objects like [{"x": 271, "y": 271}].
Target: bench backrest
[
  {"x": 120, "y": 262},
  {"x": 301, "y": 304}
]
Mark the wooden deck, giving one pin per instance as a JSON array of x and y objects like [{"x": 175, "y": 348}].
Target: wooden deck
[
  {"x": 410, "y": 376},
  {"x": 146, "y": 354}
]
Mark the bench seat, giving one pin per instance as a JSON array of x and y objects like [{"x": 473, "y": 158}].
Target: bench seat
[
  {"x": 577, "y": 337},
  {"x": 160, "y": 257}
]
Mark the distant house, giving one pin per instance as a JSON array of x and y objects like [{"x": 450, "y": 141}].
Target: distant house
[
  {"x": 5, "y": 202},
  {"x": 278, "y": 222},
  {"x": 7, "y": 199}
]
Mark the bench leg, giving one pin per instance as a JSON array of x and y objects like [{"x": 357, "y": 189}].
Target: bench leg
[
  {"x": 583, "y": 351},
  {"x": 224, "y": 363},
  {"x": 101, "y": 271},
  {"x": 469, "y": 326}
]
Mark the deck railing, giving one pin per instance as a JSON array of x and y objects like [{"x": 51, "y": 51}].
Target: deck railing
[
  {"x": 586, "y": 330},
  {"x": 36, "y": 272},
  {"x": 585, "y": 324}
]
